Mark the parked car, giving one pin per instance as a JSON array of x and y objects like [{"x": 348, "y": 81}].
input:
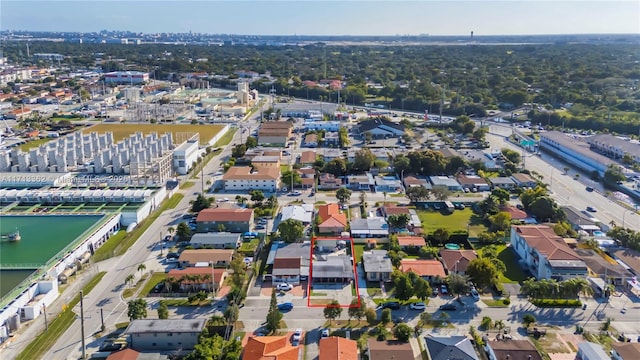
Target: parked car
[
  {"x": 260, "y": 227},
  {"x": 448, "y": 307},
  {"x": 297, "y": 336},
  {"x": 443, "y": 289},
  {"x": 393, "y": 305},
  {"x": 474, "y": 294},
  {"x": 324, "y": 333},
  {"x": 418, "y": 306},
  {"x": 284, "y": 287},
  {"x": 591, "y": 209},
  {"x": 285, "y": 306}
]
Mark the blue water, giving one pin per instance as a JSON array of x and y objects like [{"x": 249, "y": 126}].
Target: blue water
[{"x": 599, "y": 234}]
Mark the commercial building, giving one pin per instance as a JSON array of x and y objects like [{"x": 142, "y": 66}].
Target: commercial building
[
  {"x": 380, "y": 128},
  {"x": 237, "y": 220},
  {"x": 245, "y": 178},
  {"x": 615, "y": 147},
  {"x": 185, "y": 155},
  {"x": 574, "y": 150},
  {"x": 545, "y": 254},
  {"x": 126, "y": 77},
  {"x": 274, "y": 133},
  {"x": 163, "y": 335}
]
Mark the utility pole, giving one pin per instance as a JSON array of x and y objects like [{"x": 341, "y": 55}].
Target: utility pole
[
  {"x": 102, "y": 327},
  {"x": 84, "y": 348},
  {"x": 46, "y": 323}
]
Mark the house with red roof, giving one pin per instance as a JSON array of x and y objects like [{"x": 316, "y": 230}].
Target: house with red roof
[
  {"x": 194, "y": 279},
  {"x": 270, "y": 348},
  {"x": 457, "y": 261},
  {"x": 516, "y": 214},
  {"x": 427, "y": 269},
  {"x": 332, "y": 221},
  {"x": 545, "y": 254},
  {"x": 408, "y": 242},
  {"x": 335, "y": 347}
]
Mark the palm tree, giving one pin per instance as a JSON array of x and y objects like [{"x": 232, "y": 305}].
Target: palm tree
[
  {"x": 171, "y": 230},
  {"x": 142, "y": 268},
  {"x": 129, "y": 279}
]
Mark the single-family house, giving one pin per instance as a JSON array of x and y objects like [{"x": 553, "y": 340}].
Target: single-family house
[
  {"x": 457, "y": 261},
  {"x": 194, "y": 279},
  {"x": 545, "y": 254},
  {"x": 328, "y": 181},
  {"x": 164, "y": 334},
  {"x": 602, "y": 268},
  {"x": 473, "y": 182},
  {"x": 446, "y": 182},
  {"x": 480, "y": 157},
  {"x": 337, "y": 348},
  {"x": 332, "y": 221},
  {"x": 377, "y": 265},
  {"x": 411, "y": 242},
  {"x": 387, "y": 184},
  {"x": 361, "y": 182},
  {"x": 220, "y": 240},
  {"x": 302, "y": 213},
  {"x": 524, "y": 180},
  {"x": 289, "y": 262},
  {"x": 502, "y": 182},
  {"x": 625, "y": 350},
  {"x": 393, "y": 209},
  {"x": 380, "y": 128},
  {"x": 330, "y": 154},
  {"x": 332, "y": 269},
  {"x": 208, "y": 257},
  {"x": 331, "y": 138},
  {"x": 130, "y": 354},
  {"x": 630, "y": 258},
  {"x": 270, "y": 348},
  {"x": 371, "y": 227},
  {"x": 219, "y": 219},
  {"x": 512, "y": 350},
  {"x": 449, "y": 153},
  {"x": 412, "y": 181},
  {"x": 591, "y": 351},
  {"x": 428, "y": 269},
  {"x": 579, "y": 220},
  {"x": 307, "y": 177},
  {"x": 391, "y": 350},
  {"x": 246, "y": 178},
  {"x": 311, "y": 140},
  {"x": 450, "y": 347},
  {"x": 515, "y": 213},
  {"x": 307, "y": 158}
]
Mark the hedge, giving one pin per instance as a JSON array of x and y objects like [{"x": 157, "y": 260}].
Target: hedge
[{"x": 557, "y": 303}]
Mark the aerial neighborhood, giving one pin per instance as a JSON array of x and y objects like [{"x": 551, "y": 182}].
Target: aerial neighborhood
[{"x": 201, "y": 214}]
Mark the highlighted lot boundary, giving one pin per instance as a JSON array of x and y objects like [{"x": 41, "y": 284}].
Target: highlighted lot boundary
[{"x": 354, "y": 281}]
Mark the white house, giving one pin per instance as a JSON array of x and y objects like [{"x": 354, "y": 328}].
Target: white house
[
  {"x": 243, "y": 178},
  {"x": 545, "y": 254}
]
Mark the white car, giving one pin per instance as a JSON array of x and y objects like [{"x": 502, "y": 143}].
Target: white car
[
  {"x": 284, "y": 287},
  {"x": 297, "y": 336},
  {"x": 324, "y": 333},
  {"x": 418, "y": 306},
  {"x": 443, "y": 290},
  {"x": 474, "y": 294}
]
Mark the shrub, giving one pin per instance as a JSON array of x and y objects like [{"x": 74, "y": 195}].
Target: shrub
[
  {"x": 506, "y": 301},
  {"x": 557, "y": 303}
]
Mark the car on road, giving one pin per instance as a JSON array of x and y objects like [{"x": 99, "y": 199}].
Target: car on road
[
  {"x": 324, "y": 333},
  {"x": 297, "y": 336},
  {"x": 474, "y": 294},
  {"x": 296, "y": 193},
  {"x": 443, "y": 290},
  {"x": 591, "y": 209},
  {"x": 448, "y": 307},
  {"x": 393, "y": 305},
  {"x": 260, "y": 227},
  {"x": 418, "y": 306},
  {"x": 284, "y": 287},
  {"x": 285, "y": 306},
  {"x": 589, "y": 189}
]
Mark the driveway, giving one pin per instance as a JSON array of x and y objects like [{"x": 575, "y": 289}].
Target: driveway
[{"x": 340, "y": 292}]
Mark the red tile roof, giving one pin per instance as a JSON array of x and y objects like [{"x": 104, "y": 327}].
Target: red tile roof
[
  {"x": 331, "y": 211},
  {"x": 308, "y": 157},
  {"x": 416, "y": 241},
  {"x": 221, "y": 214},
  {"x": 338, "y": 348},
  {"x": 516, "y": 214},
  {"x": 545, "y": 241},
  {"x": 462, "y": 257},
  {"x": 126, "y": 354},
  {"x": 286, "y": 263},
  {"x": 395, "y": 210},
  {"x": 270, "y": 348},
  {"x": 423, "y": 267}
]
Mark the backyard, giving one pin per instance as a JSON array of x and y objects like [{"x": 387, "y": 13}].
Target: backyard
[
  {"x": 458, "y": 221},
  {"x": 514, "y": 273}
]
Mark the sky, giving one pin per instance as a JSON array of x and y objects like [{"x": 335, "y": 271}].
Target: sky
[{"x": 329, "y": 17}]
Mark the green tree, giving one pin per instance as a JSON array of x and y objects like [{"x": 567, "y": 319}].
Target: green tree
[
  {"x": 343, "y": 195},
  {"x": 257, "y": 196},
  {"x": 403, "y": 285},
  {"x": 129, "y": 279},
  {"x": 403, "y": 332},
  {"x": 501, "y": 194},
  {"x": 441, "y": 192},
  {"x": 371, "y": 316},
  {"x": 500, "y": 221},
  {"x": 274, "y": 316},
  {"x": 417, "y": 193},
  {"x": 421, "y": 288},
  {"x": 440, "y": 235},
  {"x": 483, "y": 272},
  {"x": 357, "y": 309},
  {"x": 231, "y": 313},
  {"x": 290, "y": 230},
  {"x": 238, "y": 151},
  {"x": 458, "y": 284},
  {"x": 363, "y": 160},
  {"x": 291, "y": 177},
  {"x": 332, "y": 311},
  {"x": 336, "y": 167},
  {"x": 385, "y": 316},
  {"x": 398, "y": 221},
  {"x": 272, "y": 202},
  {"x": 528, "y": 319},
  {"x": 201, "y": 202},
  {"x": 163, "y": 310},
  {"x": 137, "y": 309},
  {"x": 251, "y": 142},
  {"x": 183, "y": 231},
  {"x": 142, "y": 268}
]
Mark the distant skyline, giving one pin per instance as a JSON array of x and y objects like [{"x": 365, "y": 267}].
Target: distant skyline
[{"x": 347, "y": 17}]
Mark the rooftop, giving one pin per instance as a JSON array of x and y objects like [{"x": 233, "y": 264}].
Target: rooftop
[
  {"x": 338, "y": 348},
  {"x": 270, "y": 348},
  {"x": 388, "y": 350},
  {"x": 338, "y": 266},
  {"x": 576, "y": 144},
  {"x": 546, "y": 242},
  {"x": 417, "y": 241},
  {"x": 193, "y": 256},
  {"x": 514, "y": 350},
  {"x": 223, "y": 214},
  {"x": 443, "y": 181},
  {"x": 461, "y": 257},
  {"x": 448, "y": 348},
  {"x": 423, "y": 267},
  {"x": 144, "y": 326},
  {"x": 376, "y": 261},
  {"x": 246, "y": 173},
  {"x": 627, "y": 350}
]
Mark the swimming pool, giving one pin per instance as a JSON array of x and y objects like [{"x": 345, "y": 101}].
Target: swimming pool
[{"x": 599, "y": 234}]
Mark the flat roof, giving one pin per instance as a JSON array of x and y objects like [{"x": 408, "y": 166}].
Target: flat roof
[{"x": 142, "y": 326}]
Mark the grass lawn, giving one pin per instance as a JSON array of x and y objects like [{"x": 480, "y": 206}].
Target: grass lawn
[
  {"x": 514, "y": 272},
  {"x": 121, "y": 131},
  {"x": 456, "y": 221},
  {"x": 226, "y": 138},
  {"x": 32, "y": 144},
  {"x": 249, "y": 247},
  {"x": 127, "y": 293},
  {"x": 284, "y": 168},
  {"x": 58, "y": 326},
  {"x": 156, "y": 278},
  {"x": 358, "y": 251},
  {"x": 495, "y": 303},
  {"x": 186, "y": 185}
]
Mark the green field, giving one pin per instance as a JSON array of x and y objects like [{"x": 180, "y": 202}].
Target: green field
[
  {"x": 454, "y": 222},
  {"x": 121, "y": 131},
  {"x": 32, "y": 144}
]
